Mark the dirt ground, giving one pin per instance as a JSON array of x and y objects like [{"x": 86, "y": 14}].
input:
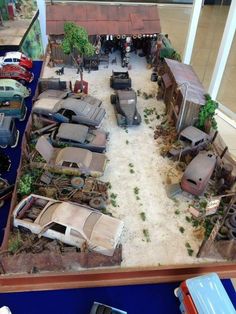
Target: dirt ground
[{"x": 156, "y": 230}]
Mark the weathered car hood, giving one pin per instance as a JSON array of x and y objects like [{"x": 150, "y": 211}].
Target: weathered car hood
[{"x": 106, "y": 232}]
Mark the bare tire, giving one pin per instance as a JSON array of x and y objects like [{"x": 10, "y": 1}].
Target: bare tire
[
  {"x": 97, "y": 203},
  {"x": 113, "y": 99},
  {"x": 232, "y": 220},
  {"x": 77, "y": 182}
]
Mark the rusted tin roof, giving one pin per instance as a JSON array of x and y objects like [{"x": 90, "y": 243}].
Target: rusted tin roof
[
  {"x": 102, "y": 19},
  {"x": 188, "y": 81}
]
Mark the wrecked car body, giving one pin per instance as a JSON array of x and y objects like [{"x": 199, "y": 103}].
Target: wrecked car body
[
  {"x": 125, "y": 102},
  {"x": 69, "y": 223},
  {"x": 191, "y": 140},
  {"x": 198, "y": 173},
  {"x": 120, "y": 80},
  {"x": 69, "y": 110},
  {"x": 70, "y": 160},
  {"x": 78, "y": 135}
]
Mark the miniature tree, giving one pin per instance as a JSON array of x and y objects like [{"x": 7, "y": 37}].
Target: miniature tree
[
  {"x": 76, "y": 41},
  {"x": 206, "y": 114}
]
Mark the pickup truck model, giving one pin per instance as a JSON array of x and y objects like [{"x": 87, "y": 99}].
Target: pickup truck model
[{"x": 120, "y": 80}]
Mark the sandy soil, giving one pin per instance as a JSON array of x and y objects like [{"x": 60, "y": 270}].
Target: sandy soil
[{"x": 135, "y": 148}]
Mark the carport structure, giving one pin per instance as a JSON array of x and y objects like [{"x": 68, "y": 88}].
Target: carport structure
[{"x": 109, "y": 21}]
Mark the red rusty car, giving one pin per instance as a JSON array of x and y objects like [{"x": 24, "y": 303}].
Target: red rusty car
[
  {"x": 198, "y": 173},
  {"x": 16, "y": 72}
]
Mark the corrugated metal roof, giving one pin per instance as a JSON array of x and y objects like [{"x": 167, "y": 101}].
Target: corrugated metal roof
[
  {"x": 104, "y": 19},
  {"x": 184, "y": 74}
]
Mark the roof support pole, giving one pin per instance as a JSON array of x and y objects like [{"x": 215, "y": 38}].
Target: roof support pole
[
  {"x": 192, "y": 31},
  {"x": 224, "y": 50},
  {"x": 42, "y": 19}
]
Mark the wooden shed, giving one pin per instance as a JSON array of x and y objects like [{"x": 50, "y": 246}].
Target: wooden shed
[
  {"x": 182, "y": 92},
  {"x": 106, "y": 20}
]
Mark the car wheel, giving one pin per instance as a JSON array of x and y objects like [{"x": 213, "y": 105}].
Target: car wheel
[
  {"x": 77, "y": 182},
  {"x": 113, "y": 99},
  {"x": 228, "y": 224},
  {"x": 17, "y": 96},
  {"x": 111, "y": 82},
  {"x": 23, "y": 82},
  {"x": 97, "y": 203},
  {"x": 232, "y": 234},
  {"x": 232, "y": 220}
]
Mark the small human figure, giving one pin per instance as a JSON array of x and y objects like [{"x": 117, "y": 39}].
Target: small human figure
[{"x": 79, "y": 64}]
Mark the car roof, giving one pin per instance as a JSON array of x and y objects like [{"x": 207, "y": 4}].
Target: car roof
[
  {"x": 80, "y": 107},
  {"x": 193, "y": 134},
  {"x": 13, "y": 67},
  {"x": 74, "y": 154},
  {"x": 74, "y": 132},
  {"x": 209, "y": 295},
  {"x": 3, "y": 82},
  {"x": 200, "y": 166},
  {"x": 126, "y": 94},
  {"x": 16, "y": 54},
  {"x": 46, "y": 104},
  {"x": 71, "y": 215}
]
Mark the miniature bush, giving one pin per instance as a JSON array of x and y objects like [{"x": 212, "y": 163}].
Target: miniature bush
[
  {"x": 25, "y": 184},
  {"x": 207, "y": 113}
]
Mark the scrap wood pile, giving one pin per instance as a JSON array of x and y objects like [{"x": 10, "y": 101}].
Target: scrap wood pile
[{"x": 166, "y": 136}]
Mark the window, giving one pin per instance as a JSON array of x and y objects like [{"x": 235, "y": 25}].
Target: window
[
  {"x": 9, "y": 88},
  {"x": 16, "y": 60},
  {"x": 8, "y": 60},
  {"x": 1, "y": 88},
  {"x": 199, "y": 142},
  {"x": 58, "y": 228}
]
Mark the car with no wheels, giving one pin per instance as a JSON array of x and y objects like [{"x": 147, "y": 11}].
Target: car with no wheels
[
  {"x": 16, "y": 72},
  {"x": 18, "y": 58},
  {"x": 70, "y": 160},
  {"x": 78, "y": 135},
  {"x": 12, "y": 88},
  {"x": 70, "y": 223},
  {"x": 120, "y": 80},
  {"x": 191, "y": 140},
  {"x": 125, "y": 103},
  {"x": 69, "y": 110},
  {"x": 198, "y": 173}
]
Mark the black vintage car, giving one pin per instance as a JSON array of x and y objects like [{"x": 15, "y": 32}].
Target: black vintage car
[
  {"x": 125, "y": 102},
  {"x": 120, "y": 80}
]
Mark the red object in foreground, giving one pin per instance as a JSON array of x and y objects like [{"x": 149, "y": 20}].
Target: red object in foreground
[
  {"x": 77, "y": 87},
  {"x": 16, "y": 72}
]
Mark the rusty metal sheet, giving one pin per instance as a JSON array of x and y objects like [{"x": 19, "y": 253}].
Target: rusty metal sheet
[
  {"x": 136, "y": 21},
  {"x": 103, "y": 19}
]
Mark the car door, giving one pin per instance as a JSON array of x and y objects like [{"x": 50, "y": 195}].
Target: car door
[{"x": 9, "y": 91}]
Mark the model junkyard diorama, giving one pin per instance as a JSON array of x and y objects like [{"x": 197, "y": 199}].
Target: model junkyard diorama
[{"x": 75, "y": 220}]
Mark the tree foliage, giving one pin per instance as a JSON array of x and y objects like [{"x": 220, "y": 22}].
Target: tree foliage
[
  {"x": 207, "y": 113},
  {"x": 76, "y": 37}
]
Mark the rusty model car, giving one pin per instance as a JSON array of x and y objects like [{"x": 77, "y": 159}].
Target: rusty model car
[
  {"x": 71, "y": 160},
  {"x": 120, "y": 80},
  {"x": 198, "y": 173},
  {"x": 69, "y": 110},
  {"x": 125, "y": 102},
  {"x": 70, "y": 223},
  {"x": 78, "y": 135},
  {"x": 191, "y": 140}
]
